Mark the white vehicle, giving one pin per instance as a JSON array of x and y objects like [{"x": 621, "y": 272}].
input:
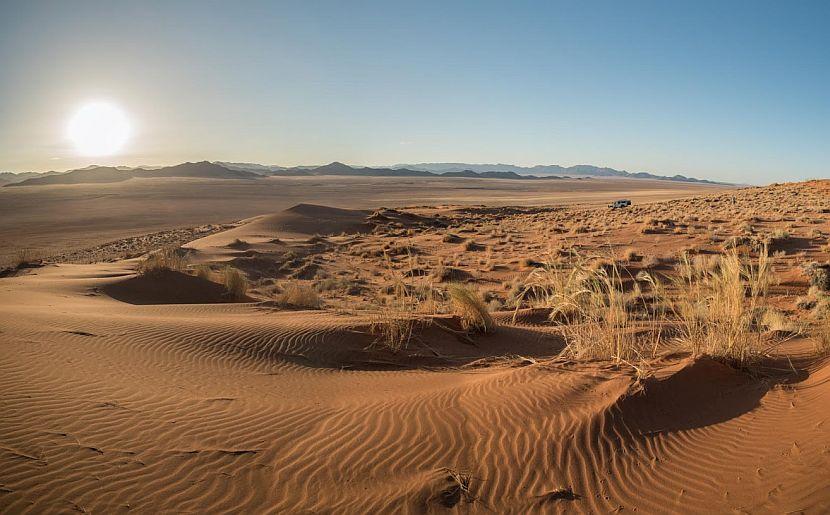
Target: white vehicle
[{"x": 619, "y": 204}]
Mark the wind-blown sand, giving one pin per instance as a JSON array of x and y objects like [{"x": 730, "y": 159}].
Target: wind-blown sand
[{"x": 118, "y": 396}]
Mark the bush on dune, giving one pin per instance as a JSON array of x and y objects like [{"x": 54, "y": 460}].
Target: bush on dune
[
  {"x": 718, "y": 309},
  {"x": 298, "y": 296},
  {"x": 161, "y": 261},
  {"x": 235, "y": 283},
  {"x": 468, "y": 305}
]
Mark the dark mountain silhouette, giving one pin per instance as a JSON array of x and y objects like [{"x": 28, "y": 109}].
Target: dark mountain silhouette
[
  {"x": 10, "y": 177},
  {"x": 220, "y": 170},
  {"x": 107, "y": 174},
  {"x": 203, "y": 169},
  {"x": 546, "y": 170}
]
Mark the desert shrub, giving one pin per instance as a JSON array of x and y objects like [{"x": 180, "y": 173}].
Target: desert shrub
[
  {"x": 203, "y": 272},
  {"x": 239, "y": 244},
  {"x": 298, "y": 296},
  {"x": 24, "y": 257},
  {"x": 822, "y": 339},
  {"x": 651, "y": 261},
  {"x": 774, "y": 320},
  {"x": 821, "y": 307},
  {"x": 596, "y": 314},
  {"x": 631, "y": 255},
  {"x": 393, "y": 330},
  {"x": 468, "y": 305},
  {"x": 718, "y": 309},
  {"x": 601, "y": 317},
  {"x": 443, "y": 273},
  {"x": 161, "y": 261},
  {"x": 819, "y": 276},
  {"x": 394, "y": 324},
  {"x": 235, "y": 283}
]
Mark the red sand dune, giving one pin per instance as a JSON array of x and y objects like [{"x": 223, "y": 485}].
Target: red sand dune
[{"x": 112, "y": 406}]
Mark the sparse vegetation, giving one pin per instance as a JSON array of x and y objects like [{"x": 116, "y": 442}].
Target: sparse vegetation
[
  {"x": 822, "y": 339},
  {"x": 394, "y": 324},
  {"x": 819, "y": 275},
  {"x": 594, "y": 310},
  {"x": 468, "y": 305},
  {"x": 161, "y": 261},
  {"x": 296, "y": 295},
  {"x": 203, "y": 272},
  {"x": 631, "y": 255},
  {"x": 717, "y": 309},
  {"x": 235, "y": 283}
]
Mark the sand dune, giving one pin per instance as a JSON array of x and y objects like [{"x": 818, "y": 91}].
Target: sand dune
[{"x": 112, "y": 406}]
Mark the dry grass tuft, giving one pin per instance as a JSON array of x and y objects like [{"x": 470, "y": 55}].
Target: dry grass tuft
[
  {"x": 394, "y": 325},
  {"x": 161, "y": 261},
  {"x": 631, "y": 255},
  {"x": 718, "y": 309},
  {"x": 296, "y": 295},
  {"x": 25, "y": 257},
  {"x": 598, "y": 316},
  {"x": 457, "y": 489},
  {"x": 822, "y": 339},
  {"x": 203, "y": 272},
  {"x": 470, "y": 307},
  {"x": 235, "y": 283}
]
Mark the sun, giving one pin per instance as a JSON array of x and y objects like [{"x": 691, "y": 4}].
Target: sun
[{"x": 98, "y": 129}]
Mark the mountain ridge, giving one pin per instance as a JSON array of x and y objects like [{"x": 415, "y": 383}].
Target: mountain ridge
[{"x": 252, "y": 171}]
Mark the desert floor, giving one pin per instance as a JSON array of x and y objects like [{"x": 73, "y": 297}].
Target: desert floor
[
  {"x": 156, "y": 392},
  {"x": 59, "y": 219}
]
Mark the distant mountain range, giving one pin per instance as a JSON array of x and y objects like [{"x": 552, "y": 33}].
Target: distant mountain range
[
  {"x": 546, "y": 170},
  {"x": 495, "y": 171},
  {"x": 108, "y": 174},
  {"x": 252, "y": 171}
]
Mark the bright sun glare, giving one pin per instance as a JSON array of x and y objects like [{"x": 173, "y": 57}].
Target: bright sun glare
[{"x": 98, "y": 129}]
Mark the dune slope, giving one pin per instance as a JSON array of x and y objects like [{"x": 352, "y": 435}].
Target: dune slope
[{"x": 110, "y": 406}]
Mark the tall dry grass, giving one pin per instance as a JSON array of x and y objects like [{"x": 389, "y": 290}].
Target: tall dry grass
[
  {"x": 601, "y": 311},
  {"x": 717, "y": 309},
  {"x": 468, "y": 305},
  {"x": 393, "y": 325},
  {"x": 822, "y": 339},
  {"x": 298, "y": 296},
  {"x": 161, "y": 261},
  {"x": 235, "y": 283}
]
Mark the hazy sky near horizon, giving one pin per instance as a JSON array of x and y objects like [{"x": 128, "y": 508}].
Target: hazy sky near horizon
[{"x": 736, "y": 91}]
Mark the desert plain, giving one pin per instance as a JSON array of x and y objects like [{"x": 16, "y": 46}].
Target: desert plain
[{"x": 365, "y": 345}]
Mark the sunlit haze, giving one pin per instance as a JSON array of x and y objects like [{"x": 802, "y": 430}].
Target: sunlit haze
[
  {"x": 725, "y": 91},
  {"x": 98, "y": 129}
]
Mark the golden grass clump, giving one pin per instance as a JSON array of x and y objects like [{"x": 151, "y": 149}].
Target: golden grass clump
[
  {"x": 776, "y": 321},
  {"x": 599, "y": 317},
  {"x": 394, "y": 324},
  {"x": 161, "y": 261},
  {"x": 235, "y": 283},
  {"x": 822, "y": 339},
  {"x": 298, "y": 296},
  {"x": 631, "y": 255},
  {"x": 203, "y": 272},
  {"x": 718, "y": 309},
  {"x": 24, "y": 257},
  {"x": 468, "y": 305}
]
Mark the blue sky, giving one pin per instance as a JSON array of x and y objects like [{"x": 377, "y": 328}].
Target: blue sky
[{"x": 720, "y": 90}]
